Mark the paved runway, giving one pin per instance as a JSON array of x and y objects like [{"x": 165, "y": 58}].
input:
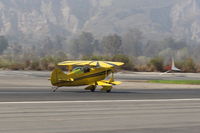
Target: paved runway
[
  {"x": 146, "y": 116},
  {"x": 27, "y": 104},
  {"x": 34, "y": 86},
  {"x": 66, "y": 94}
]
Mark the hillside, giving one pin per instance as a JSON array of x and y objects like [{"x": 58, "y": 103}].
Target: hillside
[{"x": 31, "y": 21}]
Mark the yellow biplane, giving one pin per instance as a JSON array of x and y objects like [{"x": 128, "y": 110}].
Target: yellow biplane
[{"x": 91, "y": 73}]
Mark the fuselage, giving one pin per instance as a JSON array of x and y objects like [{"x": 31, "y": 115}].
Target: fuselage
[{"x": 58, "y": 78}]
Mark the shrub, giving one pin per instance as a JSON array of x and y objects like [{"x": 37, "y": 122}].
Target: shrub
[
  {"x": 144, "y": 68},
  {"x": 96, "y": 58},
  {"x": 156, "y": 63},
  {"x": 128, "y": 64},
  {"x": 35, "y": 65},
  {"x": 16, "y": 66},
  {"x": 187, "y": 65},
  {"x": 4, "y": 63}
]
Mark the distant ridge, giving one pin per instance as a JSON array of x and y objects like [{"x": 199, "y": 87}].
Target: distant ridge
[{"x": 25, "y": 20}]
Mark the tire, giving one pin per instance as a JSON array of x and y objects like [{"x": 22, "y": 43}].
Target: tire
[
  {"x": 93, "y": 89},
  {"x": 108, "y": 91}
]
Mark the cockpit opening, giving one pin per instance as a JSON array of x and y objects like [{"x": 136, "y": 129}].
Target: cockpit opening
[{"x": 79, "y": 70}]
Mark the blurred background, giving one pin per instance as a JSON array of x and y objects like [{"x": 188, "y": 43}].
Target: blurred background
[{"x": 145, "y": 34}]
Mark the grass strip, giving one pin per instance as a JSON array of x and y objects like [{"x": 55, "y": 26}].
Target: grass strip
[{"x": 191, "y": 82}]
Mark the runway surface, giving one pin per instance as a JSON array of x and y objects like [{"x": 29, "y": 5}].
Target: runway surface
[
  {"x": 27, "y": 104},
  {"x": 66, "y": 94},
  {"x": 166, "y": 116}
]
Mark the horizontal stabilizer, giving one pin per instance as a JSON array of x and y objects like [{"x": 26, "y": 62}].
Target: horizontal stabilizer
[{"x": 101, "y": 83}]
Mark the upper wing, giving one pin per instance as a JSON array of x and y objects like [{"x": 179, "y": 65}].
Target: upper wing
[
  {"x": 106, "y": 64},
  {"x": 72, "y": 63}
]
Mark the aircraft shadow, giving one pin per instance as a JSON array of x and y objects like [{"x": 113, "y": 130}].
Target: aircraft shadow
[{"x": 100, "y": 92}]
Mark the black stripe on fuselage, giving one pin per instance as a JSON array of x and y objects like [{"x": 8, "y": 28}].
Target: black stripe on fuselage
[{"x": 93, "y": 75}]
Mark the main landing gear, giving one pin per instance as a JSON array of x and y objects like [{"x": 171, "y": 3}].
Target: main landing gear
[
  {"x": 108, "y": 91},
  {"x": 92, "y": 88},
  {"x": 106, "y": 88}
]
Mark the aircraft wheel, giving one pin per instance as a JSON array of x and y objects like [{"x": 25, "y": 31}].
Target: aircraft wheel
[
  {"x": 93, "y": 88},
  {"x": 108, "y": 91}
]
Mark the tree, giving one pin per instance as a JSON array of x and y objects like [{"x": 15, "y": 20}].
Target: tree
[
  {"x": 83, "y": 45},
  {"x": 74, "y": 48},
  {"x": 112, "y": 44},
  {"x": 3, "y": 44},
  {"x": 97, "y": 47},
  {"x": 174, "y": 44},
  {"x": 48, "y": 46},
  {"x": 157, "y": 63},
  {"x": 182, "y": 54},
  {"x": 188, "y": 65},
  {"x": 86, "y": 43},
  {"x": 128, "y": 64},
  {"x": 17, "y": 49},
  {"x": 132, "y": 42},
  {"x": 59, "y": 42}
]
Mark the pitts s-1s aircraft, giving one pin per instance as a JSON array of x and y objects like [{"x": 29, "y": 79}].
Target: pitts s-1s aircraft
[{"x": 91, "y": 73}]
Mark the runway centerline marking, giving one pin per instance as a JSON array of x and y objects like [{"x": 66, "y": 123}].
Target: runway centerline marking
[{"x": 103, "y": 101}]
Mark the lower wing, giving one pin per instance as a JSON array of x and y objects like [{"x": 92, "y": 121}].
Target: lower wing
[{"x": 108, "y": 83}]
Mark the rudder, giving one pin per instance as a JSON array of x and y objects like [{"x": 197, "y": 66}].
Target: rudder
[{"x": 57, "y": 75}]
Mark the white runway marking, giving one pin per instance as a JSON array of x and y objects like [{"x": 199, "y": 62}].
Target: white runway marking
[{"x": 103, "y": 101}]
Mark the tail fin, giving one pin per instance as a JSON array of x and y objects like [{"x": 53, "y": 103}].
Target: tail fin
[
  {"x": 173, "y": 64},
  {"x": 57, "y": 75},
  {"x": 173, "y": 67}
]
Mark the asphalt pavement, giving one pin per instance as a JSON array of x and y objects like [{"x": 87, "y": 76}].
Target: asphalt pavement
[
  {"x": 112, "y": 116},
  {"x": 27, "y": 104}
]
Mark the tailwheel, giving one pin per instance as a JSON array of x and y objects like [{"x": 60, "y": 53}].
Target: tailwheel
[{"x": 54, "y": 88}]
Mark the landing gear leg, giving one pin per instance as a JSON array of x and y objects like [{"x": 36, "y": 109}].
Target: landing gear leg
[
  {"x": 108, "y": 91},
  {"x": 91, "y": 88},
  {"x": 55, "y": 88},
  {"x": 106, "y": 88}
]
